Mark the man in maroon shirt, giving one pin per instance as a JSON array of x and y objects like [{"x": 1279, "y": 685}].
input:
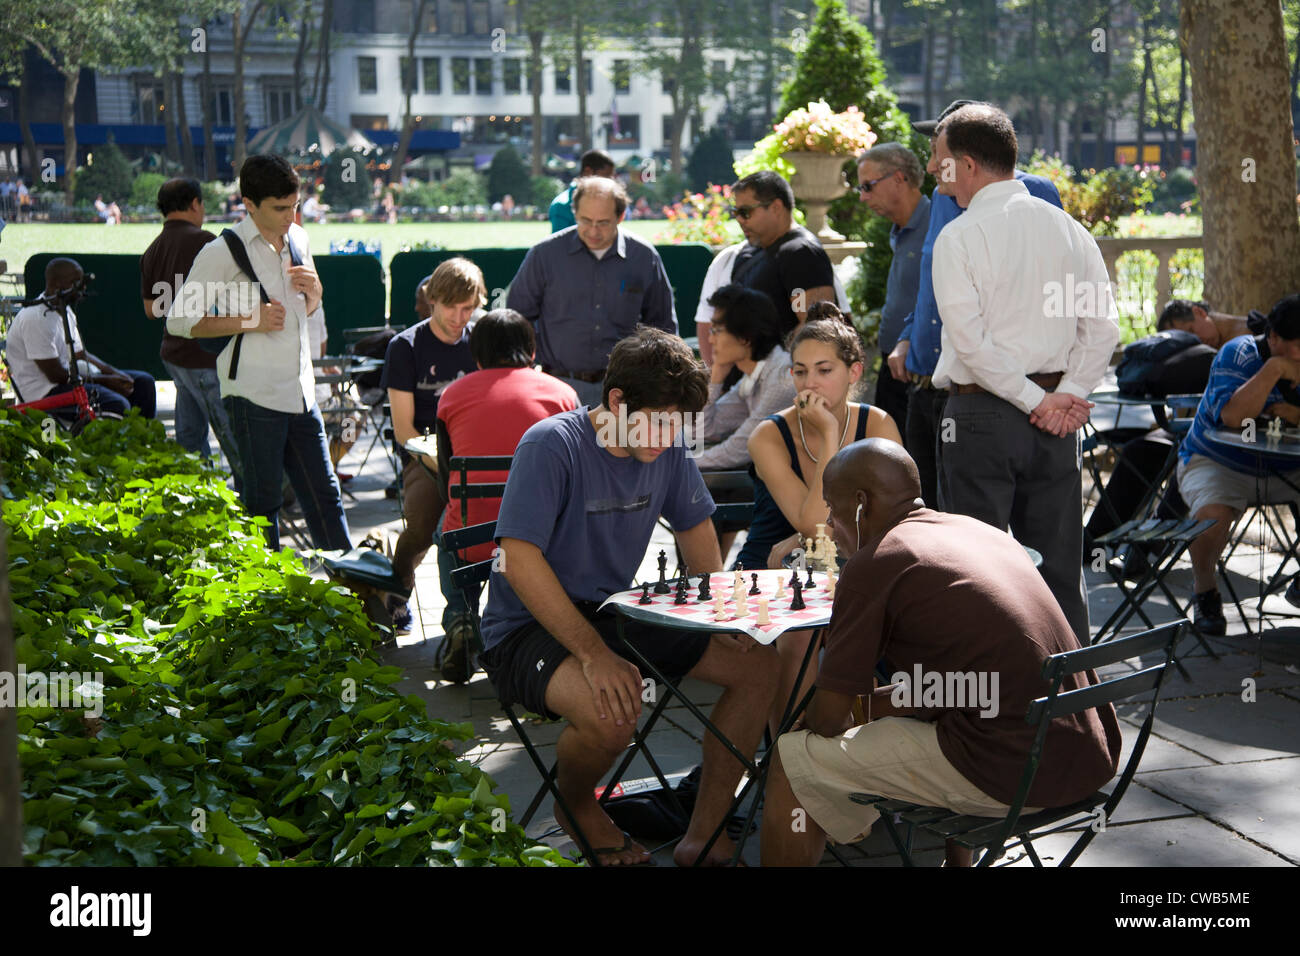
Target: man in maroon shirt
[
  {"x": 163, "y": 268},
  {"x": 963, "y": 622}
]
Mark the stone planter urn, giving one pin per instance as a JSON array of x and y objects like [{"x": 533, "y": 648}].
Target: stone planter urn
[{"x": 817, "y": 182}]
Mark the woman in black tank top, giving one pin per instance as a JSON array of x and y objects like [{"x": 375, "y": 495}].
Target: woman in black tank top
[{"x": 790, "y": 451}]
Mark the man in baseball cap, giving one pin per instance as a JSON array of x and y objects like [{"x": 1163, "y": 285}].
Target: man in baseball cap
[{"x": 927, "y": 127}]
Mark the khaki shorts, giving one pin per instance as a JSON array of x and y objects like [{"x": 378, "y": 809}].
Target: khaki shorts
[
  {"x": 1203, "y": 481},
  {"x": 897, "y": 757}
]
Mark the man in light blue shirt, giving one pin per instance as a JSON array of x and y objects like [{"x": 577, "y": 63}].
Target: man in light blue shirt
[
  {"x": 916, "y": 353},
  {"x": 595, "y": 162}
]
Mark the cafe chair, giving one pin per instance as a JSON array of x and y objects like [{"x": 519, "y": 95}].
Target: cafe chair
[
  {"x": 476, "y": 575},
  {"x": 994, "y": 836}
]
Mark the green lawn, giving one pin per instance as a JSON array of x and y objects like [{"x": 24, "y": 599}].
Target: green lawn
[{"x": 22, "y": 240}]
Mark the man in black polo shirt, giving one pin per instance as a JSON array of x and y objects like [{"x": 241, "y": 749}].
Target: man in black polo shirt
[
  {"x": 420, "y": 363},
  {"x": 163, "y": 269},
  {"x": 783, "y": 261}
]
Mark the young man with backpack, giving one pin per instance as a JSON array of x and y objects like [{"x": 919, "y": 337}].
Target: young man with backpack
[{"x": 257, "y": 290}]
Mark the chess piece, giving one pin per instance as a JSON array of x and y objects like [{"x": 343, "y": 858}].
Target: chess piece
[
  {"x": 754, "y": 589},
  {"x": 741, "y": 605},
  {"x": 780, "y": 589},
  {"x": 762, "y": 620},
  {"x": 796, "y": 603},
  {"x": 719, "y": 606},
  {"x": 797, "y": 562},
  {"x": 704, "y": 588},
  {"x": 645, "y": 594},
  {"x": 680, "y": 597},
  {"x": 809, "y": 582},
  {"x": 830, "y": 584},
  {"x": 662, "y": 586},
  {"x": 738, "y": 581}
]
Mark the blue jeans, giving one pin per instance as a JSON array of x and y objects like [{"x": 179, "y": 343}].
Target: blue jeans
[
  {"x": 144, "y": 395},
  {"x": 457, "y": 602},
  {"x": 198, "y": 405},
  {"x": 273, "y": 444}
]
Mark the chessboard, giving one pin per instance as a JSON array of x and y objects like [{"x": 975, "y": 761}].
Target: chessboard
[{"x": 699, "y": 615}]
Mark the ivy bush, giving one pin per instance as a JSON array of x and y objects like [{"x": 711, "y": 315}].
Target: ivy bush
[{"x": 242, "y": 720}]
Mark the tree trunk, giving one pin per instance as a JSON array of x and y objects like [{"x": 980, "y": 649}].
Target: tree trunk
[
  {"x": 183, "y": 124},
  {"x": 239, "y": 34},
  {"x": 326, "y": 30},
  {"x": 71, "y": 78},
  {"x": 1033, "y": 66},
  {"x": 927, "y": 75},
  {"x": 535, "y": 39},
  {"x": 1182, "y": 104},
  {"x": 584, "y": 124},
  {"x": 408, "y": 117},
  {"x": 1246, "y": 163},
  {"x": 11, "y": 809},
  {"x": 172, "y": 147},
  {"x": 300, "y": 55},
  {"x": 1142, "y": 94},
  {"x": 949, "y": 44},
  {"x": 209, "y": 107},
  {"x": 31, "y": 163}
]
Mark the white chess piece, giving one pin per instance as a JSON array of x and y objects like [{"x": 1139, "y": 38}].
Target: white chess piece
[
  {"x": 742, "y": 605},
  {"x": 830, "y": 583},
  {"x": 738, "y": 583},
  {"x": 763, "y": 620},
  {"x": 719, "y": 604},
  {"x": 780, "y": 588}
]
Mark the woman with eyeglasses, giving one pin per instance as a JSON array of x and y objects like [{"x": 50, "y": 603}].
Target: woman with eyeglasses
[{"x": 790, "y": 451}]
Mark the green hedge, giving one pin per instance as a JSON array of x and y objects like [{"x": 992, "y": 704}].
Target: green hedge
[{"x": 242, "y": 720}]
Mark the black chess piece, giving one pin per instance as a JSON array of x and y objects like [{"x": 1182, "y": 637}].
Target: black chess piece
[
  {"x": 796, "y": 603},
  {"x": 680, "y": 598},
  {"x": 704, "y": 589},
  {"x": 809, "y": 582},
  {"x": 794, "y": 576},
  {"x": 662, "y": 586},
  {"x": 754, "y": 589},
  {"x": 645, "y": 594}
]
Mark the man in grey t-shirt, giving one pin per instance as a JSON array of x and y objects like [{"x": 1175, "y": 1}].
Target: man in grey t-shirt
[{"x": 580, "y": 504}]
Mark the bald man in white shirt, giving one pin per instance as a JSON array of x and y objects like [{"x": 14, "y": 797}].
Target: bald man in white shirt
[{"x": 1029, "y": 325}]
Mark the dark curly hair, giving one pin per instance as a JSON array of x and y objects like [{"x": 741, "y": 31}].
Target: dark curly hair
[{"x": 656, "y": 370}]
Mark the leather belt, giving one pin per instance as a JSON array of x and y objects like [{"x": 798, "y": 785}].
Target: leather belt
[
  {"x": 588, "y": 377},
  {"x": 1044, "y": 380}
]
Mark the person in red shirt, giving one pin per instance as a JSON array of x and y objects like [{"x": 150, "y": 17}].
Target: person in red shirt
[{"x": 486, "y": 413}]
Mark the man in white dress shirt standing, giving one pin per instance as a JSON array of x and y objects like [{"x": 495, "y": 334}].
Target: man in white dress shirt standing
[
  {"x": 265, "y": 371},
  {"x": 1029, "y": 325}
]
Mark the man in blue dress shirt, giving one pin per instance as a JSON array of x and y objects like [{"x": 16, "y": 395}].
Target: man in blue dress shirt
[{"x": 916, "y": 354}]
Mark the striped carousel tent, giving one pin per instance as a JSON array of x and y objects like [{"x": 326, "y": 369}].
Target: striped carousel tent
[{"x": 308, "y": 130}]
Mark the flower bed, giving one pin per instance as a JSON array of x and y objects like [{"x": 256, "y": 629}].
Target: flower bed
[{"x": 242, "y": 720}]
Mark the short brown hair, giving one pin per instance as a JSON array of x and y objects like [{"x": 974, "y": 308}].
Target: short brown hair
[
  {"x": 654, "y": 369},
  {"x": 455, "y": 281},
  {"x": 985, "y": 134},
  {"x": 824, "y": 311},
  {"x": 600, "y": 186},
  {"x": 839, "y": 336}
]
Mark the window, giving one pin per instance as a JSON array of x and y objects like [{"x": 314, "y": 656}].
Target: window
[
  {"x": 150, "y": 102},
  {"x": 512, "y": 72},
  {"x": 668, "y": 130},
  {"x": 459, "y": 17},
  {"x": 223, "y": 102},
  {"x": 368, "y": 121},
  {"x": 718, "y": 77},
  {"x": 622, "y": 77},
  {"x": 562, "y": 77},
  {"x": 367, "y": 74},
  {"x": 430, "y": 24},
  {"x": 279, "y": 100},
  {"x": 628, "y": 133},
  {"x": 510, "y": 17},
  {"x": 479, "y": 15},
  {"x": 590, "y": 72},
  {"x": 669, "y": 85},
  {"x": 407, "y": 70},
  {"x": 460, "y": 74},
  {"x": 483, "y": 77},
  {"x": 362, "y": 19},
  {"x": 432, "y": 74}
]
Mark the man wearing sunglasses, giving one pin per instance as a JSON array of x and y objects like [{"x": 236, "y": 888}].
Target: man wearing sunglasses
[
  {"x": 784, "y": 261},
  {"x": 889, "y": 183}
]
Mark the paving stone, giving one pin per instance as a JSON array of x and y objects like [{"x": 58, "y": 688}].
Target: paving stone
[
  {"x": 1177, "y": 842},
  {"x": 1260, "y": 800},
  {"x": 1227, "y": 730}
]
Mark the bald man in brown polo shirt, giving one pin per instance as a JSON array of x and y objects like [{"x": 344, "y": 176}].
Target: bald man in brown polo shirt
[{"x": 933, "y": 593}]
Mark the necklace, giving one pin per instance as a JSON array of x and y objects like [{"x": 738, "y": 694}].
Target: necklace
[{"x": 847, "y": 415}]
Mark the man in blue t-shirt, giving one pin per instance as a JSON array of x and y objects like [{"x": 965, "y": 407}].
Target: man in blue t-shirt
[
  {"x": 916, "y": 353},
  {"x": 1251, "y": 376},
  {"x": 584, "y": 492}
]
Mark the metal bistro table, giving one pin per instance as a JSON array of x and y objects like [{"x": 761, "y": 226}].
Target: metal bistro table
[
  {"x": 1269, "y": 452},
  {"x": 698, "y": 615}
]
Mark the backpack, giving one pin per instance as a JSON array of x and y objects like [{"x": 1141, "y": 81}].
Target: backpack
[
  {"x": 1155, "y": 365},
  {"x": 238, "y": 252}
]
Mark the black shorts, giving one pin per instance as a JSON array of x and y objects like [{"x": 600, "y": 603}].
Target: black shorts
[{"x": 522, "y": 665}]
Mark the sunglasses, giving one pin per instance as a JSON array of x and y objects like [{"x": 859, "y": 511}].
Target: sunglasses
[
  {"x": 744, "y": 212},
  {"x": 864, "y": 188}
]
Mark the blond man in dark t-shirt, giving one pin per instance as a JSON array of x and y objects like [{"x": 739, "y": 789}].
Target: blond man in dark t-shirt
[{"x": 963, "y": 621}]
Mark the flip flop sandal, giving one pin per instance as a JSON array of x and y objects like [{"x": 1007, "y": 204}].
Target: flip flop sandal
[{"x": 627, "y": 845}]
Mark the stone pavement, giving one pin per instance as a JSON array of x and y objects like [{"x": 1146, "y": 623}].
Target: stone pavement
[{"x": 1219, "y": 784}]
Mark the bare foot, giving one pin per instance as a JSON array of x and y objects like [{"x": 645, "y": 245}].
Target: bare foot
[
  {"x": 720, "y": 853},
  {"x": 612, "y": 846}
]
